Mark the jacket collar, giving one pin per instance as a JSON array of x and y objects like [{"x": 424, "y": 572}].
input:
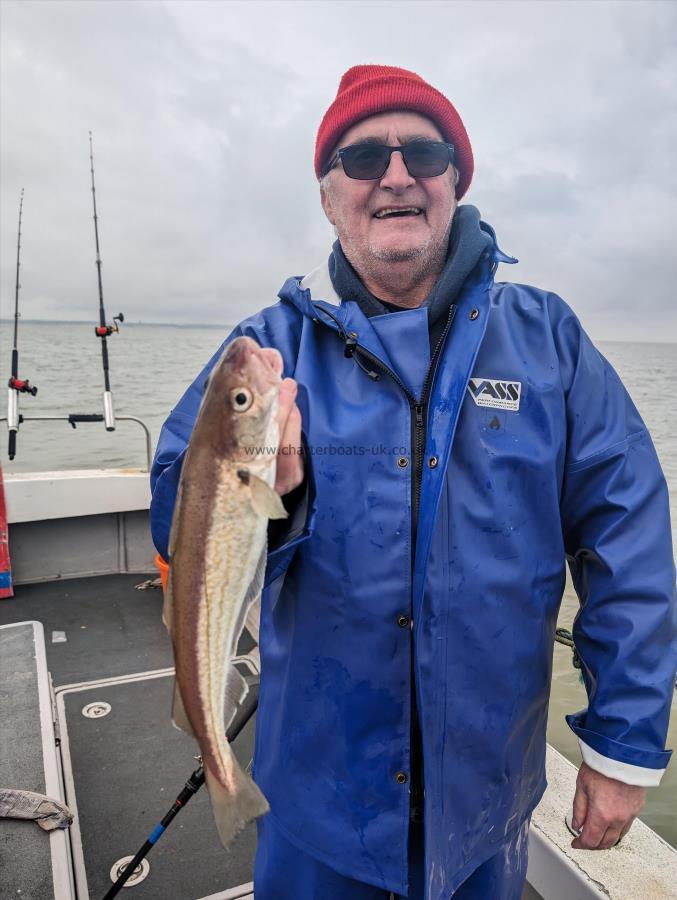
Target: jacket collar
[{"x": 315, "y": 289}]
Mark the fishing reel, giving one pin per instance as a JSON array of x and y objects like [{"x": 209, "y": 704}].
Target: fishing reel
[
  {"x": 22, "y": 386},
  {"x": 106, "y": 330}
]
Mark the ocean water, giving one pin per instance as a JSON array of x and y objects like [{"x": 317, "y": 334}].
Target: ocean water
[{"x": 151, "y": 366}]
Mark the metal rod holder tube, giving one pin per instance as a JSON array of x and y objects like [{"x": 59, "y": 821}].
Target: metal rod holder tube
[
  {"x": 12, "y": 409},
  {"x": 108, "y": 414}
]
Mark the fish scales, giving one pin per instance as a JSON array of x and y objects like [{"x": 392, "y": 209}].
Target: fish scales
[{"x": 218, "y": 553}]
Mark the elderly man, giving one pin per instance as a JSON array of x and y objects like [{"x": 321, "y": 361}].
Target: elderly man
[{"x": 463, "y": 438}]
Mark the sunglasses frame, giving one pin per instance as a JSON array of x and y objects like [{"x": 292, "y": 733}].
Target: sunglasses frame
[{"x": 402, "y": 148}]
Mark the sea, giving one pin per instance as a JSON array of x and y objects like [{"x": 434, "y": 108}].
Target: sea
[{"x": 151, "y": 366}]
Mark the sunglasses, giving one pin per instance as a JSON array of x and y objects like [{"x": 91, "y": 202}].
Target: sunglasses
[{"x": 366, "y": 162}]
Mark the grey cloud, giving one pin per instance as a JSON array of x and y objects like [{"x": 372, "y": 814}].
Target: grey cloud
[{"x": 204, "y": 118}]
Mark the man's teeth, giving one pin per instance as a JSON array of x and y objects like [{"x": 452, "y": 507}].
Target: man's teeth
[{"x": 408, "y": 211}]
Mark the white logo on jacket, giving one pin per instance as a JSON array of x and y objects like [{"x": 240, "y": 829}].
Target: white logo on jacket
[{"x": 495, "y": 393}]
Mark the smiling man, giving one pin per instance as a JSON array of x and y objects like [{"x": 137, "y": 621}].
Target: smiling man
[
  {"x": 395, "y": 228},
  {"x": 463, "y": 440}
]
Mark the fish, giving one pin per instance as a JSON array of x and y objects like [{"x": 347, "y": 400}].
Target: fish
[{"x": 218, "y": 552}]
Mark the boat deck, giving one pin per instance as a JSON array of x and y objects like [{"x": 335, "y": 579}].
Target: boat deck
[
  {"x": 106, "y": 644},
  {"x": 109, "y": 654}
]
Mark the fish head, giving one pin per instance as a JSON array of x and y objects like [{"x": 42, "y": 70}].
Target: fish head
[{"x": 240, "y": 402}]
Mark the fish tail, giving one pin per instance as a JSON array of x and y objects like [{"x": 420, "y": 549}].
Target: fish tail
[{"x": 233, "y": 807}]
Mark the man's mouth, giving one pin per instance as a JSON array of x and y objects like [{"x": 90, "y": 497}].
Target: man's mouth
[{"x": 394, "y": 211}]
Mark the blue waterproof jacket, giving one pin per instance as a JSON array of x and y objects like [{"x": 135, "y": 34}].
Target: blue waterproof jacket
[{"x": 519, "y": 450}]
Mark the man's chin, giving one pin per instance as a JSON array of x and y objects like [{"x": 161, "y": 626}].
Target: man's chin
[{"x": 398, "y": 254}]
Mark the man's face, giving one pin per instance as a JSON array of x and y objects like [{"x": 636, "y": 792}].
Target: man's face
[{"x": 351, "y": 205}]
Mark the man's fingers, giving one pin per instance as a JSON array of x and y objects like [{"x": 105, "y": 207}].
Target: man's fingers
[
  {"x": 604, "y": 807},
  {"x": 286, "y": 400},
  {"x": 289, "y": 419},
  {"x": 592, "y": 835},
  {"x": 580, "y": 808},
  {"x": 289, "y": 473},
  {"x": 292, "y": 428},
  {"x": 626, "y": 828},
  {"x": 610, "y": 839}
]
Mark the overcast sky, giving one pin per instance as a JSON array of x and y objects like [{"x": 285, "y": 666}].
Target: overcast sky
[{"x": 204, "y": 117}]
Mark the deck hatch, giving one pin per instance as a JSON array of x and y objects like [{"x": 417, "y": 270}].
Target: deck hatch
[{"x": 120, "y": 792}]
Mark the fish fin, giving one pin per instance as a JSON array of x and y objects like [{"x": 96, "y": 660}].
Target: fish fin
[
  {"x": 253, "y": 619},
  {"x": 167, "y": 607},
  {"x": 236, "y": 691},
  {"x": 175, "y": 522},
  {"x": 265, "y": 500},
  {"x": 234, "y": 808},
  {"x": 256, "y": 584},
  {"x": 252, "y": 605},
  {"x": 252, "y": 595},
  {"x": 179, "y": 718}
]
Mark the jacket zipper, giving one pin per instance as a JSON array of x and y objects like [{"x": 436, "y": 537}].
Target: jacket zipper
[
  {"x": 418, "y": 410},
  {"x": 418, "y": 414},
  {"x": 421, "y": 411}
]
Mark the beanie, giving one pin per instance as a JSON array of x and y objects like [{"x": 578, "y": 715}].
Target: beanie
[{"x": 369, "y": 90}]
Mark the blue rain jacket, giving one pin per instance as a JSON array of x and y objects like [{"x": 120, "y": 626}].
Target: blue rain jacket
[{"x": 534, "y": 453}]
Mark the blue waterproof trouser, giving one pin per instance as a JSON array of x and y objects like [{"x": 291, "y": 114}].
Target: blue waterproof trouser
[{"x": 283, "y": 872}]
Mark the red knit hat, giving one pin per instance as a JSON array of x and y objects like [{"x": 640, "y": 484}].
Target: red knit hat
[{"x": 368, "y": 90}]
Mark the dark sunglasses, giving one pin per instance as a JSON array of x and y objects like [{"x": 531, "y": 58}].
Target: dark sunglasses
[{"x": 423, "y": 159}]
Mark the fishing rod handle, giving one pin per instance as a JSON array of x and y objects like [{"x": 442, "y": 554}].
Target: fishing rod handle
[{"x": 12, "y": 445}]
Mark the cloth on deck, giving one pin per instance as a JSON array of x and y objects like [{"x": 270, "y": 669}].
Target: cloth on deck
[{"x": 47, "y": 812}]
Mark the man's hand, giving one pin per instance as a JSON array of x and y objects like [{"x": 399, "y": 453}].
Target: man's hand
[
  {"x": 604, "y": 809},
  {"x": 289, "y": 457}
]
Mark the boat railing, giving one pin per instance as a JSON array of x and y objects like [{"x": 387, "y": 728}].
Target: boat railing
[{"x": 74, "y": 419}]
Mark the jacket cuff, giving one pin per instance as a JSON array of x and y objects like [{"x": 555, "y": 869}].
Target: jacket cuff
[
  {"x": 617, "y": 751},
  {"x": 620, "y": 771}
]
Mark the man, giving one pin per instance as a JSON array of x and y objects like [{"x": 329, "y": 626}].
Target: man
[{"x": 462, "y": 437}]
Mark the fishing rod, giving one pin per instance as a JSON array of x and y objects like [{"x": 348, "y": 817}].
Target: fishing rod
[
  {"x": 15, "y": 384},
  {"x": 103, "y": 330},
  {"x": 192, "y": 786}
]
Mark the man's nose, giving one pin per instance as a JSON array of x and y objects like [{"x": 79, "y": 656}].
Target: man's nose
[{"x": 396, "y": 175}]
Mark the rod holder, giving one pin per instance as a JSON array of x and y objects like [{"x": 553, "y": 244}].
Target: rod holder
[
  {"x": 12, "y": 409},
  {"x": 108, "y": 413},
  {"x": 73, "y": 418}
]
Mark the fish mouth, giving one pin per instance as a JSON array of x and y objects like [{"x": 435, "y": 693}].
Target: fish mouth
[
  {"x": 272, "y": 358},
  {"x": 248, "y": 364},
  {"x": 243, "y": 351}
]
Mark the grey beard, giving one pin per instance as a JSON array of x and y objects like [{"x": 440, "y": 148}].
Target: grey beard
[{"x": 398, "y": 255}]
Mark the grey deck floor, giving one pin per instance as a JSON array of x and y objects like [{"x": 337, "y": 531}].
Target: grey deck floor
[
  {"x": 110, "y": 628},
  {"x": 129, "y": 766}
]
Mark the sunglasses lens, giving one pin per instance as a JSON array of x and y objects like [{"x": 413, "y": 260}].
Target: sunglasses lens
[
  {"x": 425, "y": 159},
  {"x": 365, "y": 161}
]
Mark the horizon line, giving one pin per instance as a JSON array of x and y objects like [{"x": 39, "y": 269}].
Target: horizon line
[{"x": 218, "y": 325}]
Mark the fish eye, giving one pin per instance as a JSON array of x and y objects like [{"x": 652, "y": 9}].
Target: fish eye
[{"x": 241, "y": 399}]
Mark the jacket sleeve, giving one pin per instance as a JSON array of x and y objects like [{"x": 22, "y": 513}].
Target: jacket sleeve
[
  {"x": 283, "y": 537},
  {"x": 617, "y": 536}
]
